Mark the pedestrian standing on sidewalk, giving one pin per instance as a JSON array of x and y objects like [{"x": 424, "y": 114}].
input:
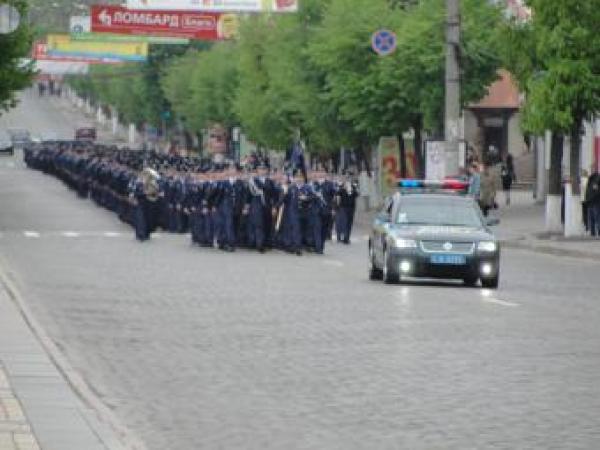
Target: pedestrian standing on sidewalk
[
  {"x": 474, "y": 182},
  {"x": 592, "y": 201},
  {"x": 584, "y": 209},
  {"x": 507, "y": 173},
  {"x": 487, "y": 196}
]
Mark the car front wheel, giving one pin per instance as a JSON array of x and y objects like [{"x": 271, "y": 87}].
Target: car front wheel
[
  {"x": 390, "y": 276},
  {"x": 491, "y": 283},
  {"x": 374, "y": 272},
  {"x": 470, "y": 281}
]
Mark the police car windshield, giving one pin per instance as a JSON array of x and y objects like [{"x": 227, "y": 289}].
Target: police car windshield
[{"x": 438, "y": 212}]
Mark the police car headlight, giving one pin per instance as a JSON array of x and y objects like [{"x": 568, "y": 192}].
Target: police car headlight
[
  {"x": 487, "y": 246},
  {"x": 405, "y": 243}
]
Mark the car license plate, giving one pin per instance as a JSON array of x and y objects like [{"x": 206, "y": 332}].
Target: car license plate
[{"x": 453, "y": 260}]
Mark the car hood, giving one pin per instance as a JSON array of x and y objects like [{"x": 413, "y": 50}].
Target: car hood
[{"x": 436, "y": 232}]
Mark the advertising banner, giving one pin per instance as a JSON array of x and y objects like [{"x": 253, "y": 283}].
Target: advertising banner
[
  {"x": 61, "y": 67},
  {"x": 435, "y": 160},
  {"x": 207, "y": 26},
  {"x": 279, "y": 6},
  {"x": 40, "y": 53},
  {"x": 63, "y": 46},
  {"x": 81, "y": 27},
  {"x": 108, "y": 37},
  {"x": 389, "y": 165}
]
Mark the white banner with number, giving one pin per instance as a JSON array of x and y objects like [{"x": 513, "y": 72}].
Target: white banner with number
[
  {"x": 216, "y": 5},
  {"x": 435, "y": 162}
]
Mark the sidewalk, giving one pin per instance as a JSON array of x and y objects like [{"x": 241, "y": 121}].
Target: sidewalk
[
  {"x": 38, "y": 407},
  {"x": 523, "y": 226},
  {"x": 15, "y": 430}
]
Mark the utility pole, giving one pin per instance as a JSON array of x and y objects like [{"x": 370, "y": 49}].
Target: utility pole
[{"x": 452, "y": 115}]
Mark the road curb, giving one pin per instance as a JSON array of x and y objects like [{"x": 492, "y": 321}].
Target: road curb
[{"x": 101, "y": 419}]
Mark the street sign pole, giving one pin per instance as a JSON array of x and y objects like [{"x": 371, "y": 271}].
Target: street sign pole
[{"x": 452, "y": 109}]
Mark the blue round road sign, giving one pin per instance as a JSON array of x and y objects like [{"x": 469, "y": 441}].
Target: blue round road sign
[{"x": 384, "y": 42}]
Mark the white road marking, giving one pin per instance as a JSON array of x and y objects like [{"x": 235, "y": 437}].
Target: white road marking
[
  {"x": 501, "y": 302},
  {"x": 31, "y": 234},
  {"x": 111, "y": 234},
  {"x": 487, "y": 297},
  {"x": 70, "y": 234}
]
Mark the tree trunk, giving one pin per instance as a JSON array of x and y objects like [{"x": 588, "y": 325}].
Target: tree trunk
[
  {"x": 336, "y": 162},
  {"x": 575, "y": 157},
  {"x": 418, "y": 129},
  {"x": 402, "y": 156},
  {"x": 556, "y": 155},
  {"x": 554, "y": 203},
  {"x": 573, "y": 208},
  {"x": 189, "y": 145},
  {"x": 367, "y": 155},
  {"x": 200, "y": 138}
]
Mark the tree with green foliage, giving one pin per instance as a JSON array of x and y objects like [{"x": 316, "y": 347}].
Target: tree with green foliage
[
  {"x": 134, "y": 90},
  {"x": 253, "y": 103},
  {"x": 313, "y": 74},
  {"x": 14, "y": 74},
  {"x": 120, "y": 87},
  {"x": 280, "y": 97},
  {"x": 201, "y": 87},
  {"x": 390, "y": 95},
  {"x": 556, "y": 57}
]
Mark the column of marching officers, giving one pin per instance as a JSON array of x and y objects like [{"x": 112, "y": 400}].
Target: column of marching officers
[{"x": 220, "y": 205}]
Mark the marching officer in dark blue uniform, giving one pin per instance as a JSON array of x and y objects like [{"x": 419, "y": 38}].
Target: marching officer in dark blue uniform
[
  {"x": 289, "y": 215},
  {"x": 261, "y": 196},
  {"x": 145, "y": 193},
  {"x": 181, "y": 224},
  {"x": 328, "y": 191},
  {"x": 346, "y": 195},
  {"x": 226, "y": 210},
  {"x": 194, "y": 207},
  {"x": 316, "y": 213}
]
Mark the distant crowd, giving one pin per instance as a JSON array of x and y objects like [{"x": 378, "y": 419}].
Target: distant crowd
[{"x": 224, "y": 205}]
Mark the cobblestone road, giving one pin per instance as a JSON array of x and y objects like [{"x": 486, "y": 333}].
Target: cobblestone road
[{"x": 197, "y": 349}]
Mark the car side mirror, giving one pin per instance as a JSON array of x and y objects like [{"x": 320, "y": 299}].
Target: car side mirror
[{"x": 492, "y": 221}]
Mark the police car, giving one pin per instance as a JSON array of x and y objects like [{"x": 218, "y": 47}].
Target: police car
[{"x": 428, "y": 229}]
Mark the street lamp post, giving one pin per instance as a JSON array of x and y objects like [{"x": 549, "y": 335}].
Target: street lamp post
[{"x": 452, "y": 110}]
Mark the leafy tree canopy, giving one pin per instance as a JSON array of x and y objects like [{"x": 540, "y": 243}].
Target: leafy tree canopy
[{"x": 14, "y": 75}]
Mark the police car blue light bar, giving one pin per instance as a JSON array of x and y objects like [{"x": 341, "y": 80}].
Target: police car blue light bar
[{"x": 449, "y": 184}]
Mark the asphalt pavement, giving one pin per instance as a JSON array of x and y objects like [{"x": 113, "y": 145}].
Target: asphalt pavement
[{"x": 196, "y": 349}]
